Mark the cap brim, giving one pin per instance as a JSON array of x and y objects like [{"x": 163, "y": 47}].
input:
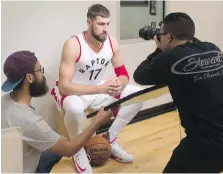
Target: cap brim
[{"x": 9, "y": 86}]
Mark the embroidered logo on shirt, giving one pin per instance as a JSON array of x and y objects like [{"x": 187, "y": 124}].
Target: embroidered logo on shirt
[{"x": 198, "y": 63}]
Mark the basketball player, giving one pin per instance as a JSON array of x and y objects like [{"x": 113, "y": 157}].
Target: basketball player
[
  {"x": 193, "y": 71},
  {"x": 85, "y": 58}
]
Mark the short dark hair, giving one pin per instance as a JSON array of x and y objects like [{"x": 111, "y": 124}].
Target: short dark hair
[
  {"x": 179, "y": 25},
  {"x": 98, "y": 10}
]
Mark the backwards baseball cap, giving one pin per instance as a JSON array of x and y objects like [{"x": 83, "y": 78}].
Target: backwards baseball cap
[{"x": 16, "y": 66}]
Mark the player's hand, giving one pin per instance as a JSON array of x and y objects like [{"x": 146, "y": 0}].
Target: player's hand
[
  {"x": 115, "y": 88},
  {"x": 109, "y": 82},
  {"x": 103, "y": 116}
]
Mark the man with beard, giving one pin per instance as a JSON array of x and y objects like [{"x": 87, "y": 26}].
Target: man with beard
[
  {"x": 25, "y": 79},
  {"x": 85, "y": 58}
]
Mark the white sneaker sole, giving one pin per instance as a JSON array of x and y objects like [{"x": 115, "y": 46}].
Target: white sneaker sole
[{"x": 120, "y": 160}]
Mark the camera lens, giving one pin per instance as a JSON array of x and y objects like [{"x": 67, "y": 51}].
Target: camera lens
[{"x": 148, "y": 33}]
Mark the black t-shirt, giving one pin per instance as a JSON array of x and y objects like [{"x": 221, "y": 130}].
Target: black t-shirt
[{"x": 194, "y": 74}]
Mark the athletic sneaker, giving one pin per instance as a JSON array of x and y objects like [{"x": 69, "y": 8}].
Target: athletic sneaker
[
  {"x": 118, "y": 153},
  {"x": 82, "y": 162}
]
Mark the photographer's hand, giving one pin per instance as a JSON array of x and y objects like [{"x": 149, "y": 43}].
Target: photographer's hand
[{"x": 157, "y": 42}]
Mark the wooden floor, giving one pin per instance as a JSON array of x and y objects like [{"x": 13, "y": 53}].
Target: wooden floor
[{"x": 150, "y": 141}]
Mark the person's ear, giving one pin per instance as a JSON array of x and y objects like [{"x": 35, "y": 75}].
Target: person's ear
[
  {"x": 88, "y": 22},
  {"x": 169, "y": 37},
  {"x": 29, "y": 78}
]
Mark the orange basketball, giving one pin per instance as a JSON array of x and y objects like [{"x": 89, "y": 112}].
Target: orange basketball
[{"x": 99, "y": 150}]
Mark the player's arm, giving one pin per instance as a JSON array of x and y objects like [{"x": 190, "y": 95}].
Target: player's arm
[
  {"x": 68, "y": 148},
  {"x": 117, "y": 63},
  {"x": 70, "y": 54}
]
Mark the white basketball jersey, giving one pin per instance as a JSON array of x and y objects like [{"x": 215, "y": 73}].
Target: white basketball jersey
[{"x": 91, "y": 65}]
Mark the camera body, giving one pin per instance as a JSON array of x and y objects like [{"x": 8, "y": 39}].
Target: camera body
[{"x": 148, "y": 33}]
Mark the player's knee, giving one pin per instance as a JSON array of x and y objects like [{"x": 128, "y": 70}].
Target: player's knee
[
  {"x": 136, "y": 88},
  {"x": 139, "y": 106},
  {"x": 73, "y": 108},
  {"x": 129, "y": 89}
]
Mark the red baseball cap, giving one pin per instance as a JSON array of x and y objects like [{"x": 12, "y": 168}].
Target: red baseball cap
[{"x": 16, "y": 66}]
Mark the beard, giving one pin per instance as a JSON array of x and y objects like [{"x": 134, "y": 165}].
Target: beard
[
  {"x": 100, "y": 38},
  {"x": 38, "y": 89}
]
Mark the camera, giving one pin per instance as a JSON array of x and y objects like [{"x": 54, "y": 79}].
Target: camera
[{"x": 148, "y": 33}]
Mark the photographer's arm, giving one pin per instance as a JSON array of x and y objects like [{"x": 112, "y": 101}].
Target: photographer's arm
[
  {"x": 152, "y": 71},
  {"x": 154, "y": 54}
]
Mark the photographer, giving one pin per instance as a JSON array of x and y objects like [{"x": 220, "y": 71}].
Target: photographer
[{"x": 193, "y": 71}]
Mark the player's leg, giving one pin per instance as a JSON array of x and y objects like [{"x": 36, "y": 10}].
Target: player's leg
[
  {"x": 124, "y": 116},
  {"x": 74, "y": 108}
]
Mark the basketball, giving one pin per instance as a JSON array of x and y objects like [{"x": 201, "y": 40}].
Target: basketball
[{"x": 99, "y": 150}]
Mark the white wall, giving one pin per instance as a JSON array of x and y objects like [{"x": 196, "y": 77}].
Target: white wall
[
  {"x": 130, "y": 23},
  {"x": 43, "y": 27},
  {"x": 207, "y": 15},
  {"x": 11, "y": 148}
]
